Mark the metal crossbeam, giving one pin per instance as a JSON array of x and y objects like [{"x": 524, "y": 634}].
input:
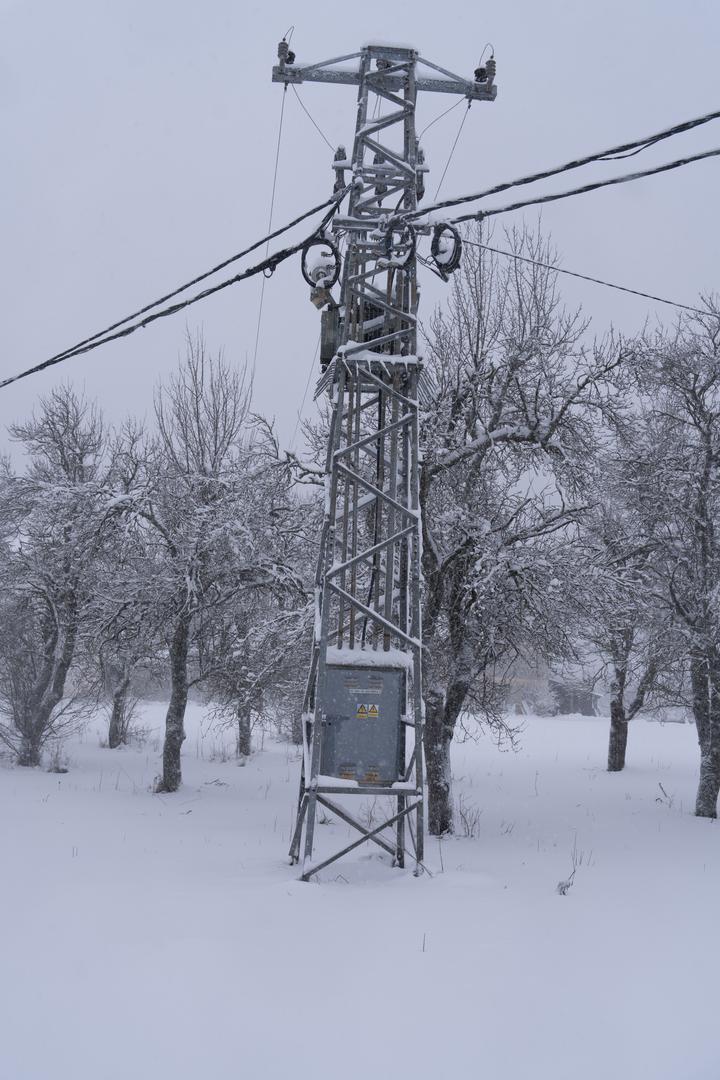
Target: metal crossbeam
[
  {"x": 308, "y": 871},
  {"x": 329, "y": 72}
]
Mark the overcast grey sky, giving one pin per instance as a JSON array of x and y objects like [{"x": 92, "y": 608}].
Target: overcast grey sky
[{"x": 138, "y": 141}]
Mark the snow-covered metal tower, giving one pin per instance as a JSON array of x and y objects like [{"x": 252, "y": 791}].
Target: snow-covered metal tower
[{"x": 363, "y": 713}]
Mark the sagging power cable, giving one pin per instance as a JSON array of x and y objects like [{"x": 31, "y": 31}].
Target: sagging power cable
[
  {"x": 478, "y": 215},
  {"x": 604, "y": 155},
  {"x": 586, "y": 277},
  {"x": 268, "y": 264},
  {"x": 72, "y": 349}
]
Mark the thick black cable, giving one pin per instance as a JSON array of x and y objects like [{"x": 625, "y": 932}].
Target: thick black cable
[
  {"x": 649, "y": 140},
  {"x": 270, "y": 263},
  {"x": 586, "y": 277},
  {"x": 196, "y": 280},
  {"x": 610, "y": 182}
]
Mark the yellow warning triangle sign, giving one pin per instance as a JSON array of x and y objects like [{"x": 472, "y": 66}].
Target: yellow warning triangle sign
[
  {"x": 373, "y": 710},
  {"x": 362, "y": 710}
]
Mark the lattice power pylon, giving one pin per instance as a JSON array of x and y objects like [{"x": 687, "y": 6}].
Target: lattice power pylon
[{"x": 363, "y": 712}]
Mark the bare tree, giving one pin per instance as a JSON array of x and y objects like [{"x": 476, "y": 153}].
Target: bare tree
[
  {"x": 256, "y": 664},
  {"x": 127, "y": 643},
  {"x": 627, "y": 628},
  {"x": 126, "y": 649},
  {"x": 510, "y": 430},
  {"x": 677, "y": 473},
  {"x": 204, "y": 503},
  {"x": 51, "y": 515}
]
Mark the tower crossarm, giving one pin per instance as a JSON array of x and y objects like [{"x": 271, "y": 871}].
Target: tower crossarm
[{"x": 346, "y": 70}]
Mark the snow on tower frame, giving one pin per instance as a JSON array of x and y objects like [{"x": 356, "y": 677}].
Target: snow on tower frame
[{"x": 363, "y": 711}]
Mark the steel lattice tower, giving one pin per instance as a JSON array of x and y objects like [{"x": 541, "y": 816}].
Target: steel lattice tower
[{"x": 363, "y": 713}]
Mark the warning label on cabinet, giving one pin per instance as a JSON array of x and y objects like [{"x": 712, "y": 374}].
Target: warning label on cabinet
[{"x": 367, "y": 711}]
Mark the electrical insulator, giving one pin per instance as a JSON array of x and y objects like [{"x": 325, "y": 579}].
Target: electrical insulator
[
  {"x": 283, "y": 52},
  {"x": 480, "y": 74},
  {"x": 420, "y": 174},
  {"x": 491, "y": 68},
  {"x": 339, "y": 165},
  {"x": 380, "y": 188}
]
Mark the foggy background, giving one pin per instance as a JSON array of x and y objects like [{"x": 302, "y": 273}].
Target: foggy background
[{"x": 138, "y": 143}]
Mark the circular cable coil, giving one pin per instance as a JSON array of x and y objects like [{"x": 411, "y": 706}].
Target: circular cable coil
[
  {"x": 406, "y": 238},
  {"x": 446, "y": 262},
  {"x": 320, "y": 274}
]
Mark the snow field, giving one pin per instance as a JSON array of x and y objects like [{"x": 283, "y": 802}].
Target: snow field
[{"x": 166, "y": 936}]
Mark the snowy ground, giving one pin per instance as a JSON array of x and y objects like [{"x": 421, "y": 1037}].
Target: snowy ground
[{"x": 166, "y": 937}]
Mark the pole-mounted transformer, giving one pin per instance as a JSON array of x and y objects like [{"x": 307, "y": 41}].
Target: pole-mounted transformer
[{"x": 363, "y": 711}]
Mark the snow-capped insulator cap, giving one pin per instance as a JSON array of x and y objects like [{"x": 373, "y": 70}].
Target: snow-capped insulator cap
[{"x": 480, "y": 74}]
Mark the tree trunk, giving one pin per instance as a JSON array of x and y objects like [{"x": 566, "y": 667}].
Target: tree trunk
[
  {"x": 175, "y": 718},
  {"x": 705, "y": 679},
  {"x": 244, "y": 737},
  {"x": 700, "y": 698},
  {"x": 437, "y": 764},
  {"x": 709, "y": 785},
  {"x": 117, "y": 730},
  {"x": 30, "y": 749},
  {"x": 34, "y": 723},
  {"x": 618, "y": 736}
]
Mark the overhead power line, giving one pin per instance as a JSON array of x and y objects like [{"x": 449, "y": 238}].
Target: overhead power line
[
  {"x": 603, "y": 155},
  {"x": 478, "y": 215},
  {"x": 269, "y": 263},
  {"x": 72, "y": 349},
  {"x": 114, "y": 332},
  {"x": 585, "y": 277}
]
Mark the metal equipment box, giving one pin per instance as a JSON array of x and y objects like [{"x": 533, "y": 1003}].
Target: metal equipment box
[{"x": 362, "y": 733}]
